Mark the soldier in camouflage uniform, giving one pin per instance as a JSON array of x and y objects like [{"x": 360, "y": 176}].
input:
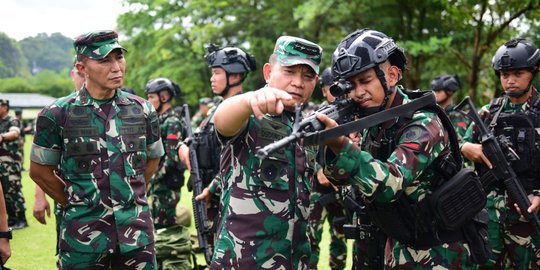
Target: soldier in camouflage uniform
[
  {"x": 265, "y": 203},
  {"x": 392, "y": 180},
  {"x": 11, "y": 166},
  {"x": 513, "y": 240},
  {"x": 332, "y": 210},
  {"x": 444, "y": 87},
  {"x": 94, "y": 152},
  {"x": 165, "y": 185},
  {"x": 230, "y": 67},
  {"x": 205, "y": 104}
]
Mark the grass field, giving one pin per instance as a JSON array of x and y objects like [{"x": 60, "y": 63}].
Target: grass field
[{"x": 33, "y": 248}]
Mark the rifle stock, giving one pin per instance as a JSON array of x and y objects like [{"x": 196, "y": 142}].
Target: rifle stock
[
  {"x": 199, "y": 207},
  {"x": 502, "y": 169}
]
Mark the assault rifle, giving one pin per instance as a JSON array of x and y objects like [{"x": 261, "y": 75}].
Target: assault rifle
[
  {"x": 339, "y": 110},
  {"x": 498, "y": 150},
  {"x": 199, "y": 207}
]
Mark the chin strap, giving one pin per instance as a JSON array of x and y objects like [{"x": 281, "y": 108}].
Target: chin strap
[{"x": 229, "y": 86}]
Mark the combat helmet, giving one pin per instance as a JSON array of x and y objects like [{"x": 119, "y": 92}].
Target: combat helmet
[
  {"x": 159, "y": 84},
  {"x": 515, "y": 54},
  {"x": 326, "y": 77},
  {"x": 448, "y": 83},
  {"x": 233, "y": 60},
  {"x": 365, "y": 49}
]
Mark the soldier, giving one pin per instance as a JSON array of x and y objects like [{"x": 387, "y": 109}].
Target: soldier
[
  {"x": 395, "y": 168},
  {"x": 11, "y": 166},
  {"x": 94, "y": 152},
  {"x": 444, "y": 87},
  {"x": 230, "y": 66},
  {"x": 166, "y": 183},
  {"x": 265, "y": 203},
  {"x": 325, "y": 205},
  {"x": 205, "y": 104},
  {"x": 5, "y": 231},
  {"x": 512, "y": 238}
]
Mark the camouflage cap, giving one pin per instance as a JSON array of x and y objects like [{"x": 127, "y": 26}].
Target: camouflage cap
[
  {"x": 292, "y": 51},
  {"x": 4, "y": 101},
  {"x": 97, "y": 45}
]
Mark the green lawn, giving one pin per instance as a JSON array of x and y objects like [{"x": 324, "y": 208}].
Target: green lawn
[{"x": 33, "y": 248}]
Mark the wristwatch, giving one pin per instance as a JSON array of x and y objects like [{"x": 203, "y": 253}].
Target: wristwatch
[{"x": 6, "y": 234}]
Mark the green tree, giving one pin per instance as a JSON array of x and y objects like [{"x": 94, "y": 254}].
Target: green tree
[
  {"x": 53, "y": 52},
  {"x": 12, "y": 60}
]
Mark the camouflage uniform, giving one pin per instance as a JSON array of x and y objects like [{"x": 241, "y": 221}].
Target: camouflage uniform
[
  {"x": 459, "y": 121},
  {"x": 167, "y": 181},
  {"x": 514, "y": 243},
  {"x": 10, "y": 171},
  {"x": 407, "y": 171},
  {"x": 265, "y": 204},
  {"x": 333, "y": 212},
  {"x": 101, "y": 148}
]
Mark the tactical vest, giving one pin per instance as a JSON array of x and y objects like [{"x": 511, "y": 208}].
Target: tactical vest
[
  {"x": 456, "y": 198},
  {"x": 82, "y": 150},
  {"x": 519, "y": 128},
  {"x": 208, "y": 150}
]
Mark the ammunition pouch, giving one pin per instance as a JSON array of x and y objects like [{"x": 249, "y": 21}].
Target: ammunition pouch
[
  {"x": 208, "y": 148},
  {"x": 458, "y": 200},
  {"x": 328, "y": 198},
  {"x": 173, "y": 178}
]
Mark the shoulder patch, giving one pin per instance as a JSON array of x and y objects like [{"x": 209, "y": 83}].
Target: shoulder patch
[{"x": 413, "y": 133}]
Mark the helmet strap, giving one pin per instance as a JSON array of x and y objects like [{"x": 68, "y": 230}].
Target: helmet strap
[
  {"x": 382, "y": 79},
  {"x": 229, "y": 86}
]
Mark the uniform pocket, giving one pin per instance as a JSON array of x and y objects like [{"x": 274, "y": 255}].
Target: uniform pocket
[
  {"x": 134, "y": 154},
  {"x": 82, "y": 160}
]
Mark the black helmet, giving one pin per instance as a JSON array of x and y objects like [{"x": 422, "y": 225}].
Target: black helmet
[
  {"x": 446, "y": 82},
  {"x": 365, "y": 49},
  {"x": 159, "y": 84},
  {"x": 231, "y": 59},
  {"x": 326, "y": 77},
  {"x": 517, "y": 53}
]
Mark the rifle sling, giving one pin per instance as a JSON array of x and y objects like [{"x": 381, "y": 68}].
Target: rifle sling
[{"x": 372, "y": 120}]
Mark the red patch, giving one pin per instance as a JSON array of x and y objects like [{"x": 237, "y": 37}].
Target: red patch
[
  {"x": 413, "y": 146},
  {"x": 461, "y": 124},
  {"x": 172, "y": 137}
]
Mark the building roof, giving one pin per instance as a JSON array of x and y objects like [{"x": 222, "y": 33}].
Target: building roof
[{"x": 27, "y": 100}]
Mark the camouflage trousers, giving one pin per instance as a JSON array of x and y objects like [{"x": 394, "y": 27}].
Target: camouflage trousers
[
  {"x": 514, "y": 244},
  {"x": 139, "y": 259},
  {"x": 12, "y": 186},
  {"x": 163, "y": 206},
  {"x": 338, "y": 243},
  {"x": 454, "y": 255}
]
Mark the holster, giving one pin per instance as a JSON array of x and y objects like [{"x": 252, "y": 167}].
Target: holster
[{"x": 476, "y": 235}]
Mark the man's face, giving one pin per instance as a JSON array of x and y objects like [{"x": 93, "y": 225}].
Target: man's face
[
  {"x": 367, "y": 89},
  {"x": 298, "y": 80},
  {"x": 218, "y": 81},
  {"x": 153, "y": 98},
  {"x": 515, "y": 80},
  {"x": 440, "y": 95},
  {"x": 3, "y": 110},
  {"x": 327, "y": 95},
  {"x": 106, "y": 73}
]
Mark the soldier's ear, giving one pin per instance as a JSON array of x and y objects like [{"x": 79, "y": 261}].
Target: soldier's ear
[
  {"x": 393, "y": 75},
  {"x": 267, "y": 71}
]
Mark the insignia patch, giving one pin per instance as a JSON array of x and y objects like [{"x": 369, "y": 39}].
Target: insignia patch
[{"x": 413, "y": 133}]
